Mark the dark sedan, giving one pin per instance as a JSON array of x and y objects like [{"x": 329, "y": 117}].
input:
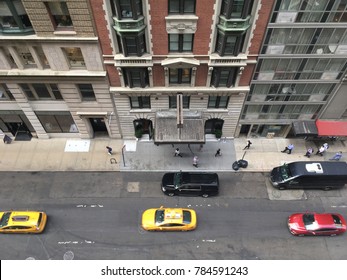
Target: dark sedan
[{"x": 190, "y": 183}]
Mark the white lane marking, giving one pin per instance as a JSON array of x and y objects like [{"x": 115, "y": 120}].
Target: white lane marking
[
  {"x": 90, "y": 205},
  {"x": 339, "y": 206},
  {"x": 209, "y": 240}
]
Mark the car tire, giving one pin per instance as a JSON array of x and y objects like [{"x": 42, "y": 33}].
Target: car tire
[
  {"x": 171, "y": 194},
  {"x": 205, "y": 195}
]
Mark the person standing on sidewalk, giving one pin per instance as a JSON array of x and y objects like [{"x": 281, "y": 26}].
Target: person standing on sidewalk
[
  {"x": 177, "y": 153},
  {"x": 289, "y": 148},
  {"x": 195, "y": 161},
  {"x": 321, "y": 151},
  {"x": 309, "y": 152},
  {"x": 218, "y": 153},
  {"x": 249, "y": 143},
  {"x": 337, "y": 156},
  {"x": 109, "y": 150}
]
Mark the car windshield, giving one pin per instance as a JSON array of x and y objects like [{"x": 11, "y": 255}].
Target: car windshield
[
  {"x": 187, "y": 217},
  {"x": 337, "y": 220},
  {"x": 159, "y": 216},
  {"x": 4, "y": 219},
  {"x": 178, "y": 179},
  {"x": 308, "y": 219},
  {"x": 285, "y": 172}
]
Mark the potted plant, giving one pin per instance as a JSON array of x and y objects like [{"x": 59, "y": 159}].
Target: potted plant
[
  {"x": 218, "y": 133},
  {"x": 138, "y": 132}
]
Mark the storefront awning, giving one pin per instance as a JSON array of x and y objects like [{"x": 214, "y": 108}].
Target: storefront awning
[
  {"x": 167, "y": 131},
  {"x": 331, "y": 128},
  {"x": 305, "y": 128}
]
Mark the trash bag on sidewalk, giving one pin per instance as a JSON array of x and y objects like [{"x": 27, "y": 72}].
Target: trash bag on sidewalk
[
  {"x": 7, "y": 139},
  {"x": 235, "y": 166},
  {"x": 242, "y": 163}
]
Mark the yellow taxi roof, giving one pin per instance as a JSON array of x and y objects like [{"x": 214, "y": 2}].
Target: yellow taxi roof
[
  {"x": 173, "y": 215},
  {"x": 23, "y": 217}
]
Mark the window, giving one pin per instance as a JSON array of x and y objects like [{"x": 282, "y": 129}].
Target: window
[
  {"x": 181, "y": 6},
  {"x": 74, "y": 57},
  {"x": 135, "y": 77},
  {"x": 133, "y": 45},
  {"x": 229, "y": 44},
  {"x": 173, "y": 102},
  {"x": 13, "y": 17},
  {"x": 218, "y": 102},
  {"x": 235, "y": 8},
  {"x": 127, "y": 9},
  {"x": 181, "y": 42},
  {"x": 87, "y": 92},
  {"x": 224, "y": 77},
  {"x": 140, "y": 102},
  {"x": 26, "y": 56},
  {"x": 180, "y": 76},
  {"x": 41, "y": 91},
  {"x": 60, "y": 16},
  {"x": 57, "y": 122},
  {"x": 5, "y": 93}
]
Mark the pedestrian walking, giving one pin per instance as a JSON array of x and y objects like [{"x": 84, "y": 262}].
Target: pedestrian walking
[
  {"x": 309, "y": 152},
  {"x": 326, "y": 146},
  {"x": 321, "y": 151},
  {"x": 177, "y": 153},
  {"x": 109, "y": 150},
  {"x": 337, "y": 156},
  {"x": 249, "y": 143},
  {"x": 218, "y": 153},
  {"x": 288, "y": 149},
  {"x": 195, "y": 161}
]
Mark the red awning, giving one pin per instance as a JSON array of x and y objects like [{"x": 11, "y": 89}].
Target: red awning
[{"x": 331, "y": 128}]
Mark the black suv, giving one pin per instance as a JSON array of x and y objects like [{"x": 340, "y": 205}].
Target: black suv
[{"x": 190, "y": 183}]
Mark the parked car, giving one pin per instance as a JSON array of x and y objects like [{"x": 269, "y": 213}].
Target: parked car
[
  {"x": 316, "y": 224},
  {"x": 190, "y": 183},
  {"x": 310, "y": 175},
  {"x": 169, "y": 219},
  {"x": 22, "y": 221}
]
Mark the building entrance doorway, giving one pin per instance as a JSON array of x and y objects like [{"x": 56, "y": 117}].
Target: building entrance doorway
[
  {"x": 143, "y": 126},
  {"x": 99, "y": 127}
]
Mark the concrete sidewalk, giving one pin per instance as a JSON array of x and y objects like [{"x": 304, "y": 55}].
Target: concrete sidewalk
[{"x": 91, "y": 155}]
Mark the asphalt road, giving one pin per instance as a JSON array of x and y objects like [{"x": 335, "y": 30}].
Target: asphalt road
[{"x": 97, "y": 216}]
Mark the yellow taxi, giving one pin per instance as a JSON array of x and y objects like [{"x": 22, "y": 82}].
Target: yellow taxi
[
  {"x": 169, "y": 219},
  {"x": 22, "y": 221}
]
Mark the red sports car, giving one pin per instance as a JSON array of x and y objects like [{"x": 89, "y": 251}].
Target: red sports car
[{"x": 316, "y": 224}]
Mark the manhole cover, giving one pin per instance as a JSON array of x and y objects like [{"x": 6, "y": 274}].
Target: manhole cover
[{"x": 69, "y": 255}]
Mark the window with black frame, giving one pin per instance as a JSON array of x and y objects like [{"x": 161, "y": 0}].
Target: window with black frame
[
  {"x": 229, "y": 44},
  {"x": 57, "y": 121},
  {"x": 173, "y": 102},
  {"x": 180, "y": 75},
  {"x": 218, "y": 101},
  {"x": 60, "y": 15},
  {"x": 132, "y": 45},
  {"x": 182, "y": 6},
  {"x": 235, "y": 8},
  {"x": 136, "y": 77},
  {"x": 13, "y": 17},
  {"x": 127, "y": 9},
  {"x": 181, "y": 42},
  {"x": 39, "y": 91},
  {"x": 224, "y": 77},
  {"x": 140, "y": 102},
  {"x": 87, "y": 92}
]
